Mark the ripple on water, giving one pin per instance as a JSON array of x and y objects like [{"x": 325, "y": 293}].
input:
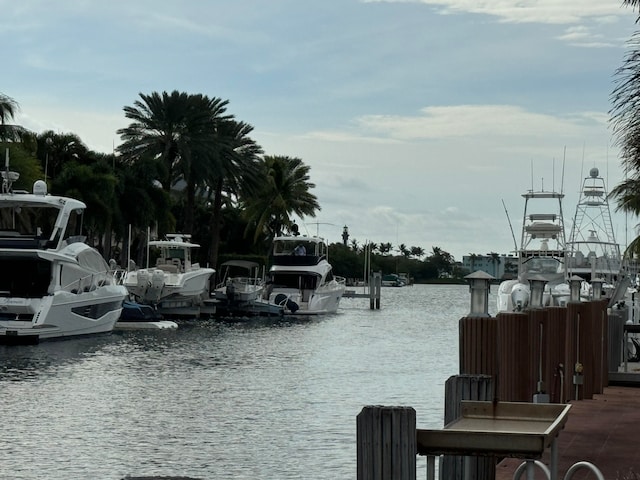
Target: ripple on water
[{"x": 255, "y": 400}]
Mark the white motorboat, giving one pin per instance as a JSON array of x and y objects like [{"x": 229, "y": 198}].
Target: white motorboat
[
  {"x": 175, "y": 285},
  {"x": 241, "y": 282},
  {"x": 301, "y": 278},
  {"x": 53, "y": 284},
  {"x": 541, "y": 254}
]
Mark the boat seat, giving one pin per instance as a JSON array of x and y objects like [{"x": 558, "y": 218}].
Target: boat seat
[{"x": 169, "y": 268}]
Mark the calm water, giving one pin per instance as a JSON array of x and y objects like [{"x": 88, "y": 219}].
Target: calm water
[{"x": 258, "y": 400}]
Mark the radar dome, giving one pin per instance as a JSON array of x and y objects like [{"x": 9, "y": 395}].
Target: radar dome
[
  {"x": 39, "y": 187},
  {"x": 594, "y": 172}
]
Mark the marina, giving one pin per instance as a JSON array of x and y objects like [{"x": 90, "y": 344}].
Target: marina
[{"x": 261, "y": 399}]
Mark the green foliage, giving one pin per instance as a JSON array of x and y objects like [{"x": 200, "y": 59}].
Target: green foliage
[{"x": 349, "y": 263}]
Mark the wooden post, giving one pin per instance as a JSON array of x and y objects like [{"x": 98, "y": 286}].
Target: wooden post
[
  {"x": 458, "y": 388},
  {"x": 386, "y": 440},
  {"x": 375, "y": 287}
]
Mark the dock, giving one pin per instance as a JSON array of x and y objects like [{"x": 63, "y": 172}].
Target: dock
[
  {"x": 372, "y": 291},
  {"x": 602, "y": 431},
  {"x": 573, "y": 358}
]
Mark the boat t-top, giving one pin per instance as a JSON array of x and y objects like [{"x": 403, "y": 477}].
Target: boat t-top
[
  {"x": 592, "y": 248},
  {"x": 541, "y": 254}
]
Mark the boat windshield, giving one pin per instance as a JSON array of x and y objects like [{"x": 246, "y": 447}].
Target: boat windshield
[
  {"x": 299, "y": 247},
  {"x": 42, "y": 222},
  {"x": 28, "y": 220},
  {"x": 542, "y": 266}
]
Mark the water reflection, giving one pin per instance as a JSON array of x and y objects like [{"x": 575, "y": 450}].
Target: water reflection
[
  {"x": 30, "y": 362},
  {"x": 259, "y": 399}
]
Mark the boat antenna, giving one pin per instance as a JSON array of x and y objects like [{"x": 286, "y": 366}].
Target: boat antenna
[
  {"x": 581, "y": 171},
  {"x": 532, "y": 174},
  {"x": 317, "y": 224},
  {"x": 564, "y": 159},
  {"x": 515, "y": 244}
]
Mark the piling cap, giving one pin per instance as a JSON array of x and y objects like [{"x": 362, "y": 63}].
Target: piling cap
[{"x": 479, "y": 275}]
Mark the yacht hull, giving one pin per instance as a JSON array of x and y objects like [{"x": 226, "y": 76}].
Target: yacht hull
[{"x": 62, "y": 314}]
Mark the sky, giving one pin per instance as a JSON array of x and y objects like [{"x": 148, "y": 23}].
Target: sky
[{"x": 422, "y": 121}]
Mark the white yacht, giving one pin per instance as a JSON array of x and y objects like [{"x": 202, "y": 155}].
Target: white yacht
[
  {"x": 301, "y": 278},
  {"x": 175, "y": 285},
  {"x": 541, "y": 254},
  {"x": 53, "y": 284}
]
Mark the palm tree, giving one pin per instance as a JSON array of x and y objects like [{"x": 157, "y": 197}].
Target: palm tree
[
  {"x": 473, "y": 257},
  {"x": 137, "y": 185},
  {"x": 56, "y": 149},
  {"x": 285, "y": 190},
  {"x": 385, "y": 248},
  {"x": 8, "y": 108},
  {"x": 234, "y": 170},
  {"x": 495, "y": 260},
  {"x": 173, "y": 128},
  {"x": 8, "y": 132},
  {"x": 625, "y": 113}
]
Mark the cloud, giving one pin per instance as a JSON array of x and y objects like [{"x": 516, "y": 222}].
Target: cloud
[
  {"x": 531, "y": 11},
  {"x": 455, "y": 121}
]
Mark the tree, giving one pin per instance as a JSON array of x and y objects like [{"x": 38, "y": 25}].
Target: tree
[
  {"x": 8, "y": 132},
  {"x": 473, "y": 257},
  {"x": 178, "y": 129},
  {"x": 495, "y": 261},
  {"x": 56, "y": 149},
  {"x": 442, "y": 260},
  {"x": 417, "y": 252},
  {"x": 285, "y": 190},
  {"x": 96, "y": 186},
  {"x": 385, "y": 248},
  {"x": 625, "y": 118},
  {"x": 234, "y": 169}
]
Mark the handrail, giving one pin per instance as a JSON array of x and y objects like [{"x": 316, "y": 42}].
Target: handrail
[
  {"x": 523, "y": 466},
  {"x": 575, "y": 467},
  {"x": 588, "y": 466}
]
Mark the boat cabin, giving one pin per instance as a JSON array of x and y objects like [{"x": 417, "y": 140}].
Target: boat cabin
[
  {"x": 38, "y": 220},
  {"x": 298, "y": 250}
]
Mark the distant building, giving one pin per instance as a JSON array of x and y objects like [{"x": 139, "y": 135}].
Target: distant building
[{"x": 497, "y": 265}]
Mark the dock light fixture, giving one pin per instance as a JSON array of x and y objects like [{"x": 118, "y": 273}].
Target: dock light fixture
[
  {"x": 479, "y": 286},
  {"x": 537, "y": 284},
  {"x": 574, "y": 288},
  {"x": 596, "y": 288}
]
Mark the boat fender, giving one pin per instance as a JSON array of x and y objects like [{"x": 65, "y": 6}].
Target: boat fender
[
  {"x": 280, "y": 299},
  {"x": 284, "y": 301},
  {"x": 231, "y": 292},
  {"x": 292, "y": 306}
]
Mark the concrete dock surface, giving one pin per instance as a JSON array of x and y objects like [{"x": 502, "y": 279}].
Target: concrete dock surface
[{"x": 604, "y": 431}]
